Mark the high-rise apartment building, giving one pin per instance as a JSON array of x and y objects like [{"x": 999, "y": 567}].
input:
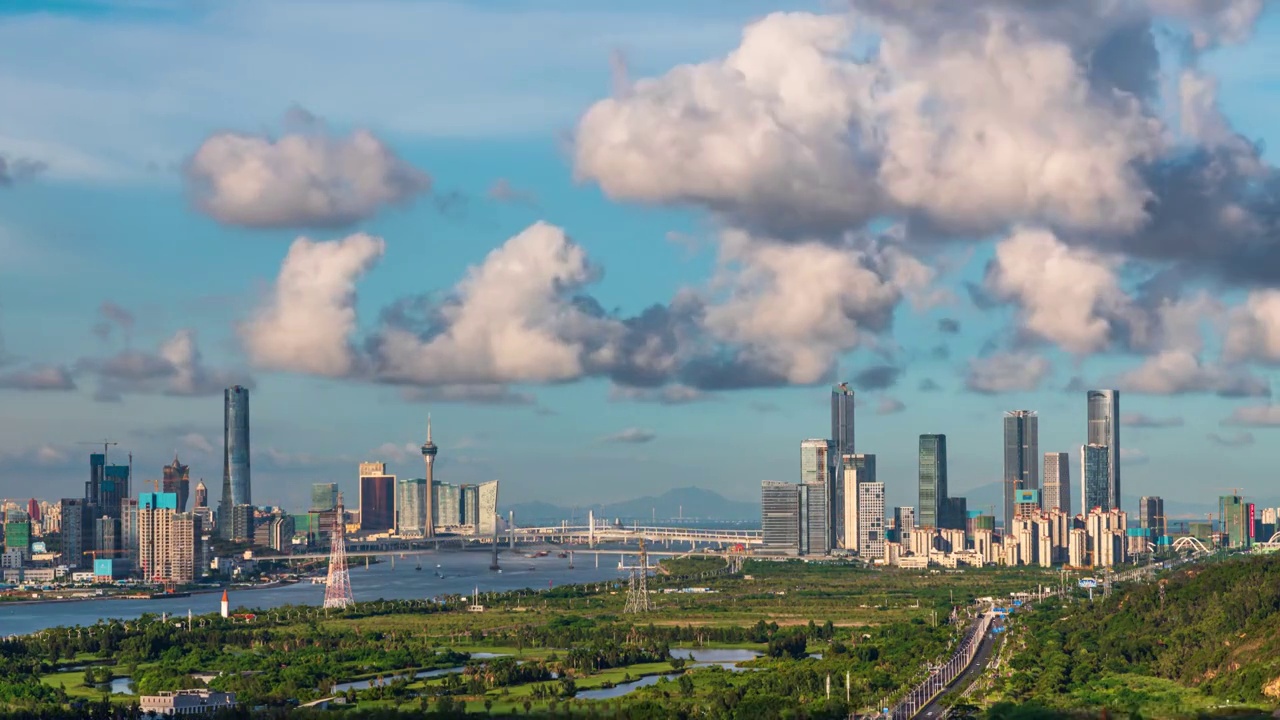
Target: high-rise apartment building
[
  {"x": 448, "y": 509},
  {"x": 780, "y": 510},
  {"x": 855, "y": 469},
  {"x": 377, "y": 498},
  {"x": 1151, "y": 516},
  {"x": 470, "y": 505},
  {"x": 1095, "y": 461},
  {"x": 871, "y": 520},
  {"x": 236, "y": 485},
  {"x": 176, "y": 479},
  {"x": 324, "y": 497},
  {"x": 1055, "y": 491},
  {"x": 129, "y": 530},
  {"x": 1021, "y": 458},
  {"x": 166, "y": 540},
  {"x": 933, "y": 481},
  {"x": 411, "y": 505},
  {"x": 1104, "y": 431}
]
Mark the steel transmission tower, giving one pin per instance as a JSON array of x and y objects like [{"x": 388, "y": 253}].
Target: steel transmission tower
[
  {"x": 337, "y": 591},
  {"x": 638, "y": 588}
]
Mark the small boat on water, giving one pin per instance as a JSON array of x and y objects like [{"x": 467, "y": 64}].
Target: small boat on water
[{"x": 163, "y": 595}]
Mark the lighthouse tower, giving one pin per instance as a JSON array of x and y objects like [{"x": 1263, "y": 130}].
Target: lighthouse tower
[
  {"x": 224, "y": 603},
  {"x": 429, "y": 451}
]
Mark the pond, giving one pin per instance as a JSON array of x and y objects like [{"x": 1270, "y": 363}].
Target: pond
[
  {"x": 622, "y": 688},
  {"x": 386, "y": 680}
]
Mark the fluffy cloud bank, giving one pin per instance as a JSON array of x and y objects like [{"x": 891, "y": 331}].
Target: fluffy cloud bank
[{"x": 307, "y": 178}]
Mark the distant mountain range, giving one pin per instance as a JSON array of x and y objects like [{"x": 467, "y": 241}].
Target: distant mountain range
[
  {"x": 992, "y": 494},
  {"x": 697, "y": 504},
  {"x": 689, "y": 504}
]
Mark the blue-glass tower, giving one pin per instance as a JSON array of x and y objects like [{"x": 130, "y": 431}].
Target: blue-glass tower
[{"x": 236, "y": 487}]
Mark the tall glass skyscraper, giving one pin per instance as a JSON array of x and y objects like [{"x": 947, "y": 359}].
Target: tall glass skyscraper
[
  {"x": 1104, "y": 431},
  {"x": 1095, "y": 463},
  {"x": 235, "y": 455},
  {"x": 1056, "y": 493},
  {"x": 842, "y": 419},
  {"x": 933, "y": 480},
  {"x": 817, "y": 470},
  {"x": 1021, "y": 458}
]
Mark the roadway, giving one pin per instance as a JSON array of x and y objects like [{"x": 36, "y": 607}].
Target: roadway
[{"x": 934, "y": 709}]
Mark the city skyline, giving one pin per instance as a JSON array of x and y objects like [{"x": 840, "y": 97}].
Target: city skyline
[{"x": 210, "y": 283}]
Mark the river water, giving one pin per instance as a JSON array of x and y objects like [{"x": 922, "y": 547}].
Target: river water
[{"x": 460, "y": 574}]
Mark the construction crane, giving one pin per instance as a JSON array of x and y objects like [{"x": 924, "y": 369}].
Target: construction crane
[{"x": 104, "y": 443}]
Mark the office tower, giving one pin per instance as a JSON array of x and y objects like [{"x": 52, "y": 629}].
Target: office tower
[
  {"x": 1234, "y": 514},
  {"x": 904, "y": 520},
  {"x": 236, "y": 485},
  {"x": 106, "y": 534},
  {"x": 75, "y": 531},
  {"x": 780, "y": 504},
  {"x": 1094, "y": 476},
  {"x": 1056, "y": 490},
  {"x": 176, "y": 479},
  {"x": 933, "y": 481},
  {"x": 1151, "y": 516},
  {"x": 1021, "y": 457},
  {"x": 411, "y": 518},
  {"x": 166, "y": 540},
  {"x": 470, "y": 505},
  {"x": 107, "y": 486},
  {"x": 33, "y": 511},
  {"x": 429, "y": 451},
  {"x": 324, "y": 497},
  {"x": 955, "y": 514},
  {"x": 17, "y": 536},
  {"x": 377, "y": 498},
  {"x": 1104, "y": 431},
  {"x": 842, "y": 420},
  {"x": 871, "y": 520},
  {"x": 817, "y": 468},
  {"x": 488, "y": 508},
  {"x": 202, "y": 495},
  {"x": 814, "y": 519},
  {"x": 855, "y": 469}
]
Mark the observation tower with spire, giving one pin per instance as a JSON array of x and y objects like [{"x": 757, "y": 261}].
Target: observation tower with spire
[{"x": 429, "y": 451}]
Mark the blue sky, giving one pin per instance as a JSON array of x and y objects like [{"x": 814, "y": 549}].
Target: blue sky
[{"x": 109, "y": 102}]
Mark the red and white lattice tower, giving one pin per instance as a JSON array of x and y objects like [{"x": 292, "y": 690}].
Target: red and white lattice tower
[{"x": 337, "y": 591}]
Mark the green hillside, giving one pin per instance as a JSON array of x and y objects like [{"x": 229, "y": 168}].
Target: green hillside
[{"x": 1209, "y": 642}]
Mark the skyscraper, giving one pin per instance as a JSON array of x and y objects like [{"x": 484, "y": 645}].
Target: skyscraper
[
  {"x": 933, "y": 481},
  {"x": 817, "y": 470},
  {"x": 377, "y": 498},
  {"x": 1094, "y": 476},
  {"x": 202, "y": 495},
  {"x": 429, "y": 451},
  {"x": 1234, "y": 513},
  {"x": 842, "y": 419},
  {"x": 1021, "y": 458},
  {"x": 780, "y": 504},
  {"x": 236, "y": 487},
  {"x": 487, "y": 513},
  {"x": 1104, "y": 431},
  {"x": 411, "y": 517},
  {"x": 324, "y": 497},
  {"x": 1151, "y": 516},
  {"x": 166, "y": 539},
  {"x": 176, "y": 479},
  {"x": 855, "y": 470},
  {"x": 871, "y": 520},
  {"x": 1056, "y": 493}
]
